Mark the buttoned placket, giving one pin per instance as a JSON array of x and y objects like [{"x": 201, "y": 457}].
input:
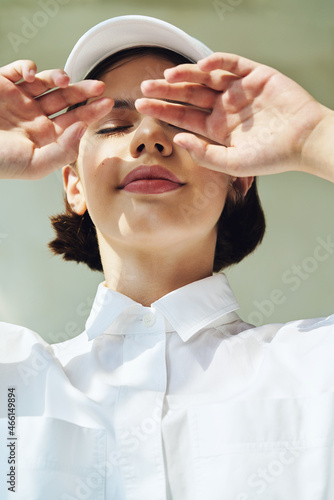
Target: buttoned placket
[
  {"x": 138, "y": 412},
  {"x": 137, "y": 402}
]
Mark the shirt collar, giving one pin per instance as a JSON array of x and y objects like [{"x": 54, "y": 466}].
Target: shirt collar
[{"x": 187, "y": 309}]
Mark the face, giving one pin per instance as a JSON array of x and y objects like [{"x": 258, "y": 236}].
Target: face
[{"x": 141, "y": 190}]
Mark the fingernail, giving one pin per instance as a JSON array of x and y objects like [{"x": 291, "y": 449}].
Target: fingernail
[
  {"x": 140, "y": 101},
  {"x": 145, "y": 85},
  {"x": 180, "y": 142},
  {"x": 30, "y": 75}
]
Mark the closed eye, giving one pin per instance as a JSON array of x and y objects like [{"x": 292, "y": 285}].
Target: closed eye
[{"x": 113, "y": 130}]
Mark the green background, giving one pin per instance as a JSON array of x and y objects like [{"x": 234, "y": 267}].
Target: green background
[{"x": 297, "y": 37}]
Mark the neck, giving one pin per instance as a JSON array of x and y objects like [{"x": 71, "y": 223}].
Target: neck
[{"x": 145, "y": 276}]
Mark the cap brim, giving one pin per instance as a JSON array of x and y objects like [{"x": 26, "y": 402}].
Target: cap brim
[{"x": 124, "y": 32}]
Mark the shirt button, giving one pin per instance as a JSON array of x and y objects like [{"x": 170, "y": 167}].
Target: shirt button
[{"x": 149, "y": 319}]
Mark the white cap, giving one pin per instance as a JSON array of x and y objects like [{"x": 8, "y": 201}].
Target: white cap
[{"x": 125, "y": 32}]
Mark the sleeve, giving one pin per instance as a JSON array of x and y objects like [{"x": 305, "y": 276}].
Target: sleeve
[{"x": 51, "y": 438}]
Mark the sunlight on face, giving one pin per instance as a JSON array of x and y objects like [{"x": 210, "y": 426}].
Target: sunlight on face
[{"x": 182, "y": 204}]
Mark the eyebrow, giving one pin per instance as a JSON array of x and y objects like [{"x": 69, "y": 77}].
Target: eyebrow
[{"x": 124, "y": 104}]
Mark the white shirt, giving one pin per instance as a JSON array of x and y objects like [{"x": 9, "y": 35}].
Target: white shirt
[{"x": 181, "y": 400}]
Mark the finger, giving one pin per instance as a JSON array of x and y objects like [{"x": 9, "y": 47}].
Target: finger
[
  {"x": 241, "y": 161},
  {"x": 89, "y": 113},
  {"x": 19, "y": 69},
  {"x": 197, "y": 95},
  {"x": 179, "y": 115},
  {"x": 58, "y": 154},
  {"x": 184, "y": 72},
  {"x": 45, "y": 81},
  {"x": 202, "y": 152},
  {"x": 232, "y": 63},
  {"x": 212, "y": 156},
  {"x": 216, "y": 79},
  {"x": 60, "y": 99}
]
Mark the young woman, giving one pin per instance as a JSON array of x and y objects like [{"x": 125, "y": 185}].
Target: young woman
[{"x": 167, "y": 394}]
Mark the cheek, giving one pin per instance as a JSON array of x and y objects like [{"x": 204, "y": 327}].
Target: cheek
[
  {"x": 99, "y": 169},
  {"x": 208, "y": 196}
]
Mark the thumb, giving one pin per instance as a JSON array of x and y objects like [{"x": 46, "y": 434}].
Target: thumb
[
  {"x": 236, "y": 161},
  {"x": 59, "y": 153},
  {"x": 203, "y": 152}
]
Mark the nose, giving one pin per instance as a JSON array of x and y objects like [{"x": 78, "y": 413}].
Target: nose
[{"x": 151, "y": 137}]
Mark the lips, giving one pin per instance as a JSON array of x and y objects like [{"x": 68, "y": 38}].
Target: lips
[{"x": 150, "y": 179}]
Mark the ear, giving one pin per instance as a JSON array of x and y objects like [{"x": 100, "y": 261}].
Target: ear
[
  {"x": 242, "y": 184},
  {"x": 74, "y": 190}
]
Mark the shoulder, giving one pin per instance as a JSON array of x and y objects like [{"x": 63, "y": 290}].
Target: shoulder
[
  {"x": 301, "y": 356},
  {"x": 292, "y": 332},
  {"x": 17, "y": 342},
  {"x": 306, "y": 341},
  {"x": 26, "y": 361},
  {"x": 307, "y": 331},
  {"x": 295, "y": 336},
  {"x": 297, "y": 341}
]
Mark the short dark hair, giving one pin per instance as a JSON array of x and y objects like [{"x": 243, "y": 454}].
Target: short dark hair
[{"x": 241, "y": 225}]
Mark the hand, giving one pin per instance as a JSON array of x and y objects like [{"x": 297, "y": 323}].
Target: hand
[
  {"x": 253, "y": 120},
  {"x": 32, "y": 144}
]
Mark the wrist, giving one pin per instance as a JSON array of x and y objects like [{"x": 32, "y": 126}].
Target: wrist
[{"x": 317, "y": 154}]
